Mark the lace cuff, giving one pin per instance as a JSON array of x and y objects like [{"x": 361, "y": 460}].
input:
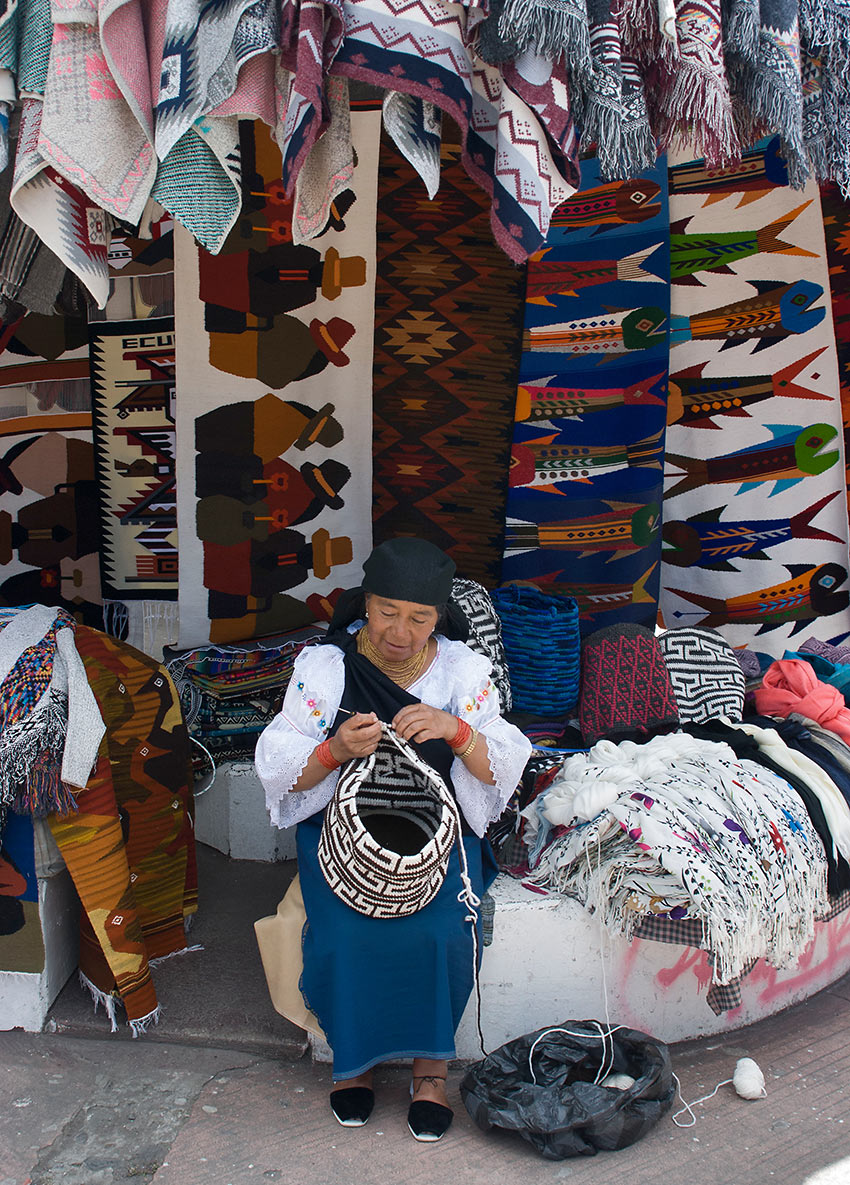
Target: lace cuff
[
  {"x": 507, "y": 751},
  {"x": 281, "y": 755}
]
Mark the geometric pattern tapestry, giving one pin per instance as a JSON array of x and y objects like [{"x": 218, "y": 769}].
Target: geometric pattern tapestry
[
  {"x": 49, "y": 526},
  {"x": 448, "y": 327},
  {"x": 274, "y": 418},
  {"x": 755, "y": 514},
  {"x": 586, "y": 478},
  {"x": 133, "y": 401}
]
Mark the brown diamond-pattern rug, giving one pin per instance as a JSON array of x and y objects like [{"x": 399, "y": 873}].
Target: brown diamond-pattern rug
[{"x": 448, "y": 330}]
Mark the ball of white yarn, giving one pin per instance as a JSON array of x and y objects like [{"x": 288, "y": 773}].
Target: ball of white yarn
[
  {"x": 618, "y": 1081},
  {"x": 748, "y": 1079}
]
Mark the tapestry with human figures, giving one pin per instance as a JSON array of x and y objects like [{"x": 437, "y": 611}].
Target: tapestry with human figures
[
  {"x": 584, "y": 506},
  {"x": 274, "y": 417},
  {"x": 448, "y": 327},
  {"x": 49, "y": 527},
  {"x": 755, "y": 515},
  {"x": 133, "y": 397}
]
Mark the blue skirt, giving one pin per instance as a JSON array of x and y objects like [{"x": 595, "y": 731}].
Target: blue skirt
[{"x": 388, "y": 988}]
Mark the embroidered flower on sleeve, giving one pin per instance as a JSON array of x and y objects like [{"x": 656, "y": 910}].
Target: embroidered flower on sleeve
[{"x": 311, "y": 702}]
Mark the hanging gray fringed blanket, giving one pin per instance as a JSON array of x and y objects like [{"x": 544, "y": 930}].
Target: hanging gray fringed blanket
[
  {"x": 549, "y": 27},
  {"x": 761, "y": 46},
  {"x": 825, "y": 38}
]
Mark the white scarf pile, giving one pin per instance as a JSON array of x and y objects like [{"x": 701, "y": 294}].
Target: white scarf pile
[{"x": 682, "y": 826}]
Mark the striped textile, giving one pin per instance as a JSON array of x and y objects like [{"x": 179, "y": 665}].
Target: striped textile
[{"x": 130, "y": 846}]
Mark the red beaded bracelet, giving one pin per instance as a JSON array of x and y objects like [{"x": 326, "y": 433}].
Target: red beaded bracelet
[
  {"x": 460, "y": 738},
  {"x": 327, "y": 759}
]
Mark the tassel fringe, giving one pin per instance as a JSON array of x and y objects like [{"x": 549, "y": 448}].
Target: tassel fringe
[
  {"x": 100, "y": 997},
  {"x": 139, "y": 1026},
  {"x": 116, "y": 619},
  {"x": 185, "y": 950},
  {"x": 698, "y": 109},
  {"x": 550, "y": 28},
  {"x": 825, "y": 31}
]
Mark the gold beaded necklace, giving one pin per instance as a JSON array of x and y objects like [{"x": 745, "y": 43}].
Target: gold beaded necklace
[{"x": 403, "y": 673}]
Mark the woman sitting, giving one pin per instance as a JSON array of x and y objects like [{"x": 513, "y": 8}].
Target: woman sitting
[{"x": 384, "y": 989}]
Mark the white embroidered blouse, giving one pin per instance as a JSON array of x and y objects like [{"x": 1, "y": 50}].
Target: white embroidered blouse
[{"x": 457, "y": 681}]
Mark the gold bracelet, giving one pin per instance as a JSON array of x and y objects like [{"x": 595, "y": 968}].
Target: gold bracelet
[{"x": 470, "y": 745}]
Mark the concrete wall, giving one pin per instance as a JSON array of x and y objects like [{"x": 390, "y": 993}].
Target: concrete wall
[
  {"x": 550, "y": 962},
  {"x": 231, "y": 817},
  {"x": 25, "y": 997}
]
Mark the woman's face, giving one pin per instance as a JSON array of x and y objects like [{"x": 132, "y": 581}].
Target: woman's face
[{"x": 398, "y": 629}]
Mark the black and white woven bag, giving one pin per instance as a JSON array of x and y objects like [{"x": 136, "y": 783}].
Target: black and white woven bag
[{"x": 390, "y": 795}]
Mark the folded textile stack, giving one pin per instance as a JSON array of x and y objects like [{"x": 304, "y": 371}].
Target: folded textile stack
[
  {"x": 680, "y": 827},
  {"x": 229, "y": 693}
]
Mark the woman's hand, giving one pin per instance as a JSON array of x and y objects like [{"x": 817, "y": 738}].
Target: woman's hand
[
  {"x": 357, "y": 736},
  {"x": 420, "y": 722}
]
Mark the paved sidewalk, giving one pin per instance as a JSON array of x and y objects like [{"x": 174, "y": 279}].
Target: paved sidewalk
[
  {"x": 85, "y": 1111},
  {"x": 222, "y": 1093}
]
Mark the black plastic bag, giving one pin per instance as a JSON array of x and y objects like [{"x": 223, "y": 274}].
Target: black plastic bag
[{"x": 546, "y": 1085}]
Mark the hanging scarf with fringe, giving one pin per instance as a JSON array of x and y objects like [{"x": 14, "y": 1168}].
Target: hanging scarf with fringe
[
  {"x": 612, "y": 108},
  {"x": 549, "y": 27},
  {"x": 50, "y": 726},
  {"x": 825, "y": 34},
  {"x": 761, "y": 46},
  {"x": 694, "y": 103}
]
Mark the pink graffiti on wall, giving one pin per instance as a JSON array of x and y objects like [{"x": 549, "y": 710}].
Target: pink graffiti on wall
[{"x": 813, "y": 969}]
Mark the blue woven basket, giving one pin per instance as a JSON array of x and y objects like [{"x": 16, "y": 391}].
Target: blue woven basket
[{"x": 542, "y": 643}]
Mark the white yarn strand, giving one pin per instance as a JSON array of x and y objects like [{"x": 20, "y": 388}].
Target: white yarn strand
[
  {"x": 603, "y": 1034},
  {"x": 748, "y": 1081},
  {"x": 211, "y": 776}
]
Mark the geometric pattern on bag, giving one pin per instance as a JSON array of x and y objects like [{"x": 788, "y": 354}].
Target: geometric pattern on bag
[
  {"x": 393, "y": 783},
  {"x": 707, "y": 678},
  {"x": 485, "y": 632}
]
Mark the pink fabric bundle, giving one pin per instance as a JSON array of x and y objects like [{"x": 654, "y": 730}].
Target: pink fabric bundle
[{"x": 791, "y": 685}]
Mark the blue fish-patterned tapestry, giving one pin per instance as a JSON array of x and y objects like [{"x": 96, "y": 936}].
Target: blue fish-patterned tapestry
[
  {"x": 755, "y": 517},
  {"x": 584, "y": 503}
]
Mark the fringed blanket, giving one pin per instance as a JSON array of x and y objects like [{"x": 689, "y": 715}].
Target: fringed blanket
[
  {"x": 761, "y": 43},
  {"x": 519, "y": 143},
  {"x": 448, "y": 323},
  {"x": 679, "y": 827},
  {"x": 825, "y": 33},
  {"x": 130, "y": 846},
  {"x": 50, "y": 725}
]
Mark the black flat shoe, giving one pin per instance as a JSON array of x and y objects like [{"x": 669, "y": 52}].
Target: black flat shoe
[
  {"x": 352, "y": 1105},
  {"x": 429, "y": 1122}
]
